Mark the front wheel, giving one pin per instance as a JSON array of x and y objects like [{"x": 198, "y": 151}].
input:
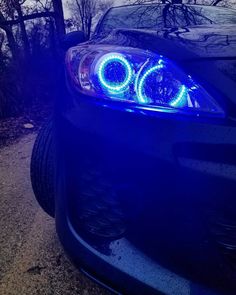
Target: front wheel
[{"x": 42, "y": 169}]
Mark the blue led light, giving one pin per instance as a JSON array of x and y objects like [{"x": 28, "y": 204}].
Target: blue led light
[
  {"x": 112, "y": 59},
  {"x": 180, "y": 98},
  {"x": 138, "y": 80},
  {"x": 141, "y": 97}
]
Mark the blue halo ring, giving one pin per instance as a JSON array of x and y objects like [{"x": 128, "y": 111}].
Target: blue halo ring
[
  {"x": 177, "y": 101},
  {"x": 180, "y": 98},
  {"x": 107, "y": 59},
  {"x": 142, "y": 98}
]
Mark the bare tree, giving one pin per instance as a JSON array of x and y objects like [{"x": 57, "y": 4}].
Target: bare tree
[
  {"x": 10, "y": 36},
  {"x": 14, "y": 12},
  {"x": 85, "y": 12},
  {"x": 13, "y": 9},
  {"x": 17, "y": 4},
  {"x": 2, "y": 38},
  {"x": 59, "y": 17}
]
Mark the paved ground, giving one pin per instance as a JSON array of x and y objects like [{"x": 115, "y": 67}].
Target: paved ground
[{"x": 31, "y": 258}]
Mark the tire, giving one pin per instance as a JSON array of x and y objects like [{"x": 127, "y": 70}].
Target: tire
[{"x": 42, "y": 169}]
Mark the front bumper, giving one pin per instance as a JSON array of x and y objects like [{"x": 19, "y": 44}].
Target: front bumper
[{"x": 177, "y": 177}]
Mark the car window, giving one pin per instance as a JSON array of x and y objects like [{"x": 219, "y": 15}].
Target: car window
[{"x": 159, "y": 16}]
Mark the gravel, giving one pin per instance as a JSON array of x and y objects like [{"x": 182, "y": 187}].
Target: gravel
[{"x": 32, "y": 260}]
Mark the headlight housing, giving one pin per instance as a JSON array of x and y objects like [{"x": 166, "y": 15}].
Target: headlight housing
[{"x": 140, "y": 78}]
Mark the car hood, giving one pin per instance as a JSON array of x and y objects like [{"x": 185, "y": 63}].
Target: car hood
[
  {"x": 208, "y": 52},
  {"x": 212, "y": 41},
  {"x": 205, "y": 41}
]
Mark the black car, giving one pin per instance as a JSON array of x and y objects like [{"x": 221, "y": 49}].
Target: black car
[{"x": 138, "y": 164}]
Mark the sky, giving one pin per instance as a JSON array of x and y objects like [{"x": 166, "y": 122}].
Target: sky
[{"x": 67, "y": 13}]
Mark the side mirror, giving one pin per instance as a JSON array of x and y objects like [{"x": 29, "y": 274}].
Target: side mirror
[{"x": 73, "y": 39}]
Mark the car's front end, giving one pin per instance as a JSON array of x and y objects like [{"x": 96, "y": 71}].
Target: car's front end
[
  {"x": 145, "y": 153},
  {"x": 172, "y": 182}
]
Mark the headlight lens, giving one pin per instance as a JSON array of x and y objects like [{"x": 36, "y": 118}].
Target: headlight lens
[{"x": 141, "y": 78}]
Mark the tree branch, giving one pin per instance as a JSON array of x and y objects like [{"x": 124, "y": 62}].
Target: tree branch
[
  {"x": 215, "y": 3},
  {"x": 26, "y": 17}
]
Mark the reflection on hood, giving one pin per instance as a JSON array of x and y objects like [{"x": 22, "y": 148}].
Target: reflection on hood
[
  {"x": 228, "y": 67},
  {"x": 205, "y": 41}
]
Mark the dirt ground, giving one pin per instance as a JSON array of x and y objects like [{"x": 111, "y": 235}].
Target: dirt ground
[{"x": 32, "y": 260}]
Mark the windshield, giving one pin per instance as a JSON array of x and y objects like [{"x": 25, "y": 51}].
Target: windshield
[{"x": 159, "y": 16}]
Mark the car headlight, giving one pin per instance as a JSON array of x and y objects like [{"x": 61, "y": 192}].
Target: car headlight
[{"x": 140, "y": 78}]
